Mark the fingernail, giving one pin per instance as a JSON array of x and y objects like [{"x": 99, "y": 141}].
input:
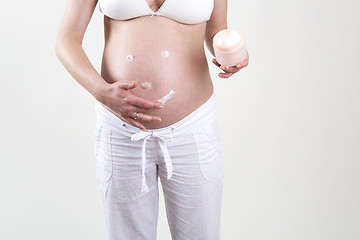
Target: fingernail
[
  {"x": 131, "y": 83},
  {"x": 239, "y": 65},
  {"x": 160, "y": 105},
  {"x": 158, "y": 119}
]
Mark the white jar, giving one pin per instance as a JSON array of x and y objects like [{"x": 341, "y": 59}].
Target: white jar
[{"x": 229, "y": 47}]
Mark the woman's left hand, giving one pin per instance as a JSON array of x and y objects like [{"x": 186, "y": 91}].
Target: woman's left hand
[{"x": 230, "y": 70}]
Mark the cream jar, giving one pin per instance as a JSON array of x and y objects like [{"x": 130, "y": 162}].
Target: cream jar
[{"x": 229, "y": 47}]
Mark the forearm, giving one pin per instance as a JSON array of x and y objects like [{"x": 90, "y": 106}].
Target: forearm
[
  {"x": 209, "y": 45},
  {"x": 210, "y": 37},
  {"x": 76, "y": 62}
]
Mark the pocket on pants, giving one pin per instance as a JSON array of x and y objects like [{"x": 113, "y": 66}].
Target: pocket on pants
[
  {"x": 209, "y": 150},
  {"x": 103, "y": 154}
]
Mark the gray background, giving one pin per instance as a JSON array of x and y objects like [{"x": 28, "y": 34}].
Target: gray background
[{"x": 289, "y": 122}]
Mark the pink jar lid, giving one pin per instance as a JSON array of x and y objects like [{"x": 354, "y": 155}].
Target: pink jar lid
[{"x": 228, "y": 40}]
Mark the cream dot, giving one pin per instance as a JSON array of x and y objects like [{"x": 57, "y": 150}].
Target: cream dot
[
  {"x": 165, "y": 54},
  {"x": 129, "y": 58},
  {"x": 146, "y": 85}
]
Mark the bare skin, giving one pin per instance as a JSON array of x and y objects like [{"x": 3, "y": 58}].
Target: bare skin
[{"x": 126, "y": 87}]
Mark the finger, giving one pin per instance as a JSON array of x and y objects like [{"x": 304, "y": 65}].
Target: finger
[
  {"x": 225, "y": 75},
  {"x": 143, "y": 103},
  {"x": 215, "y": 62},
  {"x": 245, "y": 62},
  {"x": 231, "y": 69},
  {"x": 130, "y": 109},
  {"x": 136, "y": 123},
  {"x": 146, "y": 117},
  {"x": 126, "y": 84}
]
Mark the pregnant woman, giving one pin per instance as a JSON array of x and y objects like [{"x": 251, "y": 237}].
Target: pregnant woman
[{"x": 156, "y": 113}]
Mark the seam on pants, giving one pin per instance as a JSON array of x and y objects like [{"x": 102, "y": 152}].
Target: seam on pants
[
  {"x": 111, "y": 157},
  {"x": 106, "y": 183},
  {"x": 111, "y": 165},
  {"x": 97, "y": 138}
]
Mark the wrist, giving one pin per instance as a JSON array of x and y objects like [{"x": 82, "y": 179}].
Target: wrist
[{"x": 100, "y": 90}]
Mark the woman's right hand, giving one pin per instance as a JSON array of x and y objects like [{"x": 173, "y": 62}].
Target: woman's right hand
[{"x": 118, "y": 99}]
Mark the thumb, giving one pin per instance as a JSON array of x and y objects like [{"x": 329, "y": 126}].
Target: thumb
[{"x": 127, "y": 84}]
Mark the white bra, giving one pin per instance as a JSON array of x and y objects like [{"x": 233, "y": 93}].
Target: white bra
[{"x": 184, "y": 11}]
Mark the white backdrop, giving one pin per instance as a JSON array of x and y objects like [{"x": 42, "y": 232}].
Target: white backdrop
[{"x": 289, "y": 122}]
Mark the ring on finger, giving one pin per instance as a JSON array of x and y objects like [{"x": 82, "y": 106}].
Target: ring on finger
[{"x": 136, "y": 115}]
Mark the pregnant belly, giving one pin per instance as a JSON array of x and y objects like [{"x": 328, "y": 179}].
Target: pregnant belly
[{"x": 167, "y": 58}]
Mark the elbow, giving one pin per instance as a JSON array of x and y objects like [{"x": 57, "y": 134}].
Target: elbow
[{"x": 64, "y": 44}]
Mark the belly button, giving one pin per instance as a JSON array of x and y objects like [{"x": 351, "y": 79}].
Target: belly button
[{"x": 146, "y": 85}]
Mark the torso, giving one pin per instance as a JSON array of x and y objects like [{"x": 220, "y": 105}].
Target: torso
[{"x": 184, "y": 70}]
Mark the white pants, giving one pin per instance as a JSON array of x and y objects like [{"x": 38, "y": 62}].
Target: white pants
[{"x": 188, "y": 158}]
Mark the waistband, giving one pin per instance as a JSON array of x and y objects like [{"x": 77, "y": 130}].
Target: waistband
[{"x": 204, "y": 113}]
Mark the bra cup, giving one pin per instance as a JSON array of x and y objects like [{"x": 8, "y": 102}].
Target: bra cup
[
  {"x": 123, "y": 10},
  {"x": 188, "y": 11}
]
